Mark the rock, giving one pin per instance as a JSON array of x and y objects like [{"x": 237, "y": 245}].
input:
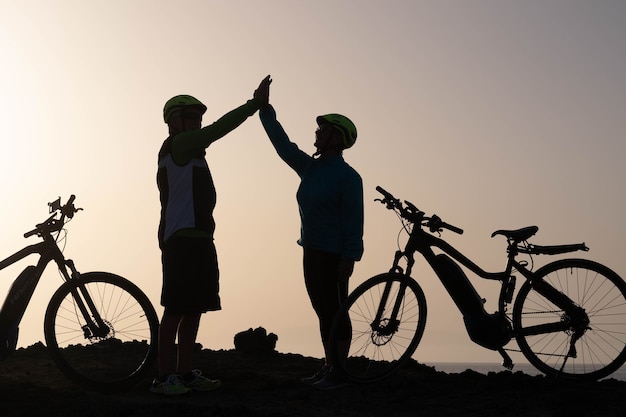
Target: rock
[{"x": 255, "y": 341}]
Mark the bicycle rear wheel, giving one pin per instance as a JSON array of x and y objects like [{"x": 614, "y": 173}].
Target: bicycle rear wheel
[
  {"x": 594, "y": 343},
  {"x": 108, "y": 359},
  {"x": 379, "y": 345}
]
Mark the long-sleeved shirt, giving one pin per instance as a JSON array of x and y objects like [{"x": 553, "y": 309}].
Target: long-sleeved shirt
[
  {"x": 185, "y": 183},
  {"x": 330, "y": 195}
]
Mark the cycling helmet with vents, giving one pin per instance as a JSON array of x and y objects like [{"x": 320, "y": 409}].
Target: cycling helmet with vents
[
  {"x": 179, "y": 102},
  {"x": 343, "y": 125}
]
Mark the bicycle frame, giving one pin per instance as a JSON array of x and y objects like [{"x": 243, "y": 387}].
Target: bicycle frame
[
  {"x": 424, "y": 242},
  {"x": 566, "y": 317},
  {"x": 100, "y": 329},
  {"x": 19, "y": 296}
]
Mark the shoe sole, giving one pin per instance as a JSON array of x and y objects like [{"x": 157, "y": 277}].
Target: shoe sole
[
  {"x": 331, "y": 386},
  {"x": 205, "y": 389},
  {"x": 169, "y": 394}
]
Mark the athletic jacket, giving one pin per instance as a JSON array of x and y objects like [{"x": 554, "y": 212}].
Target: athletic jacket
[{"x": 330, "y": 195}]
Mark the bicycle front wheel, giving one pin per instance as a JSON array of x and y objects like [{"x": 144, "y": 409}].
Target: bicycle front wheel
[
  {"x": 109, "y": 357},
  {"x": 387, "y": 317},
  {"x": 588, "y": 344}
]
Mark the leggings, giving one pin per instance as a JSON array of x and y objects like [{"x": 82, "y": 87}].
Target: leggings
[{"x": 325, "y": 291}]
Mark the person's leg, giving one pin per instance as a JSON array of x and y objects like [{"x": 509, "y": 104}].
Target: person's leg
[
  {"x": 329, "y": 293},
  {"x": 344, "y": 331},
  {"x": 311, "y": 268},
  {"x": 187, "y": 332},
  {"x": 330, "y": 297},
  {"x": 168, "y": 330},
  {"x": 193, "y": 378},
  {"x": 168, "y": 382},
  {"x": 321, "y": 279},
  {"x": 310, "y": 264}
]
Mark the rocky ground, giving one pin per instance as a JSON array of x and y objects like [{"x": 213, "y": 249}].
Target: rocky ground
[{"x": 268, "y": 385}]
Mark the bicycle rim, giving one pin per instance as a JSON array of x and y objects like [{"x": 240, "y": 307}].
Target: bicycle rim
[
  {"x": 120, "y": 356},
  {"x": 582, "y": 352},
  {"x": 379, "y": 347}
]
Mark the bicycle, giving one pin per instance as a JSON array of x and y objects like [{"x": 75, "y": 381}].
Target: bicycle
[
  {"x": 100, "y": 329},
  {"x": 568, "y": 318}
]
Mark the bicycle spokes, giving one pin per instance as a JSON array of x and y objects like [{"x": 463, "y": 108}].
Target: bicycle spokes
[
  {"x": 112, "y": 346},
  {"x": 388, "y": 316},
  {"x": 586, "y": 341}
]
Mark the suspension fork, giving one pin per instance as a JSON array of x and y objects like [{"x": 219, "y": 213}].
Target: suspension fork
[
  {"x": 95, "y": 325},
  {"x": 391, "y": 326}
]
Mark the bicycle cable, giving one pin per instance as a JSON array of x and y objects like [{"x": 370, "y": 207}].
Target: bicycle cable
[
  {"x": 407, "y": 227},
  {"x": 62, "y": 239},
  {"x": 528, "y": 249}
]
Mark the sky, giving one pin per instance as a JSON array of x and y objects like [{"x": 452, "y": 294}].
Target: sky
[{"x": 491, "y": 114}]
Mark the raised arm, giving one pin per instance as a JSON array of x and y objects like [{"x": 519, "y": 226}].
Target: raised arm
[
  {"x": 287, "y": 150},
  {"x": 190, "y": 144}
]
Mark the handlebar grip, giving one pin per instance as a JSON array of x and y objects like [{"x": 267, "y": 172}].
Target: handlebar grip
[
  {"x": 68, "y": 209},
  {"x": 452, "y": 228},
  {"x": 31, "y": 233},
  {"x": 386, "y": 194}
]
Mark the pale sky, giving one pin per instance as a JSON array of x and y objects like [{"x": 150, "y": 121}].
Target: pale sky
[{"x": 492, "y": 114}]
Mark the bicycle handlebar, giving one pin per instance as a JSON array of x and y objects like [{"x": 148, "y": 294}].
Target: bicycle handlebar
[
  {"x": 386, "y": 194},
  {"x": 410, "y": 212},
  {"x": 52, "y": 224}
]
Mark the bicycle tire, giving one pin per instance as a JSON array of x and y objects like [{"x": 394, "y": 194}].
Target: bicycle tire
[
  {"x": 108, "y": 363},
  {"x": 374, "y": 354},
  {"x": 601, "y": 349}
]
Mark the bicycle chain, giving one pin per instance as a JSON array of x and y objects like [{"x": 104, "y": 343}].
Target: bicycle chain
[
  {"x": 544, "y": 312},
  {"x": 539, "y": 353}
]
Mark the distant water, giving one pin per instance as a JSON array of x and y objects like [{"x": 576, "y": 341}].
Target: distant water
[{"x": 485, "y": 368}]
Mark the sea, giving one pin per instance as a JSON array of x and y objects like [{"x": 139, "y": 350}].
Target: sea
[{"x": 485, "y": 368}]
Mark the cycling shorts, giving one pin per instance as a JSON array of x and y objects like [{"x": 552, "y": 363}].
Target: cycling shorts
[{"x": 190, "y": 276}]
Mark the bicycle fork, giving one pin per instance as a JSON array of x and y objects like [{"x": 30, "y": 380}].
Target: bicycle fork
[
  {"x": 95, "y": 326},
  {"x": 384, "y": 328}
]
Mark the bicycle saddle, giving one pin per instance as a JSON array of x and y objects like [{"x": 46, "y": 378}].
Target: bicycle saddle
[{"x": 518, "y": 235}]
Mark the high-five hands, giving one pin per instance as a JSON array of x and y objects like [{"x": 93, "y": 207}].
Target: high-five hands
[{"x": 262, "y": 93}]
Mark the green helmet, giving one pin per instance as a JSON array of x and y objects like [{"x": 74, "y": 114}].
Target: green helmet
[
  {"x": 343, "y": 125},
  {"x": 178, "y": 102}
]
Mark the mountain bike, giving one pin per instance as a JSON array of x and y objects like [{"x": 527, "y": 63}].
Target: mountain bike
[
  {"x": 568, "y": 318},
  {"x": 100, "y": 329}
]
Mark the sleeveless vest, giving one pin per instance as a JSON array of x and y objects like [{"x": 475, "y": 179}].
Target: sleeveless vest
[{"x": 187, "y": 195}]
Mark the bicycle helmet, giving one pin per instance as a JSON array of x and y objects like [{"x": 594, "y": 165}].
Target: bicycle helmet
[
  {"x": 343, "y": 125},
  {"x": 178, "y": 102}
]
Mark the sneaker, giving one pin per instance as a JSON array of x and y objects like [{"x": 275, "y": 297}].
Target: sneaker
[
  {"x": 202, "y": 383},
  {"x": 317, "y": 376},
  {"x": 172, "y": 385},
  {"x": 332, "y": 380}
]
